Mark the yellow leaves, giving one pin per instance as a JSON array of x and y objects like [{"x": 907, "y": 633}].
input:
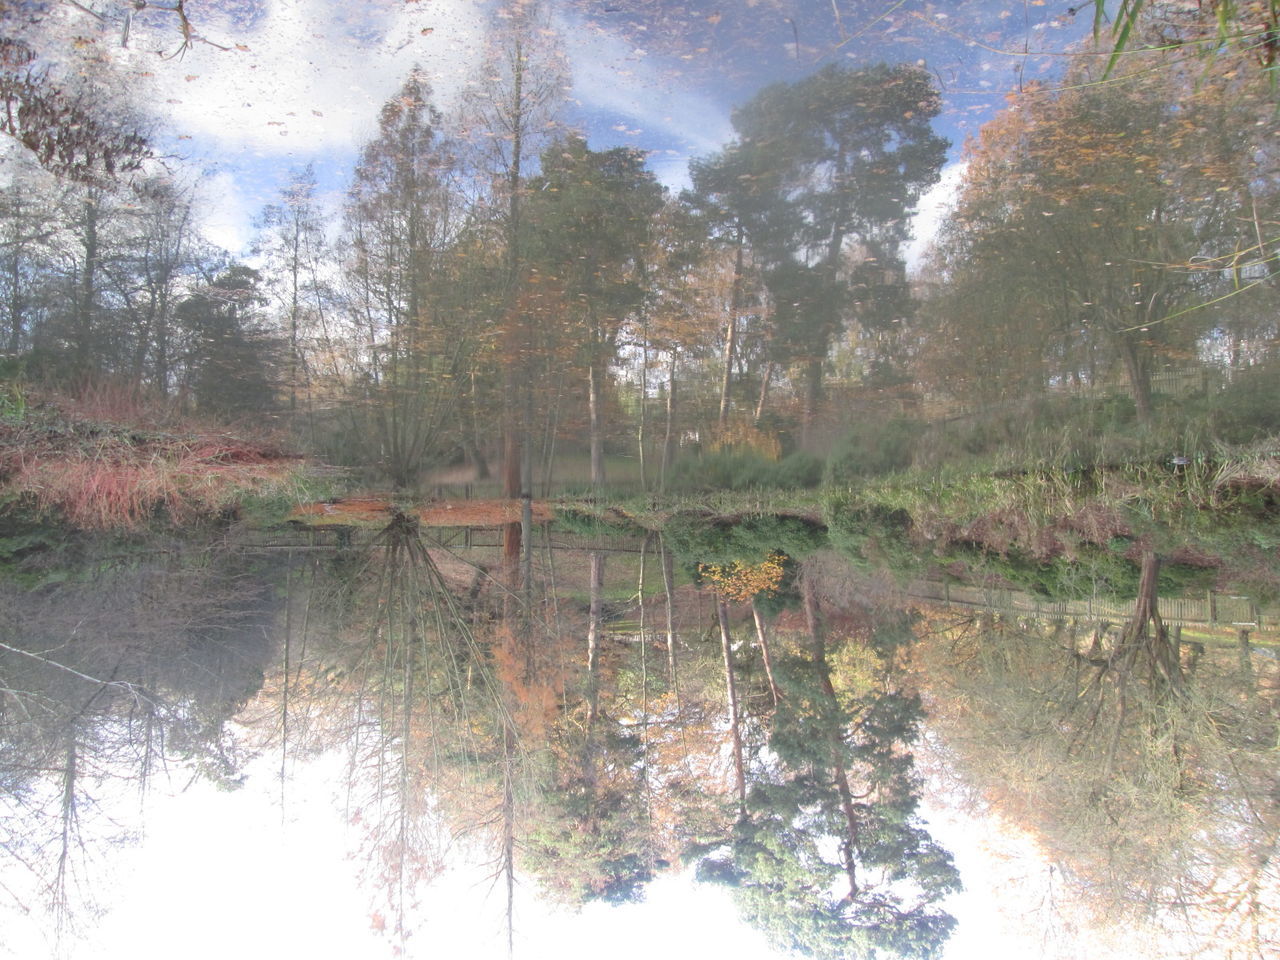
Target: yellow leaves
[
  {"x": 745, "y": 435},
  {"x": 739, "y": 582}
]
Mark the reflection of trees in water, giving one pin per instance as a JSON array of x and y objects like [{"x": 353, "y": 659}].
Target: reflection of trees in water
[
  {"x": 510, "y": 719},
  {"x": 431, "y": 742},
  {"x": 1150, "y": 779},
  {"x": 827, "y": 856},
  {"x": 110, "y": 680}
]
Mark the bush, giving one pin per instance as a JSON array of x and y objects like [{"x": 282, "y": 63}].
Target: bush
[
  {"x": 1249, "y": 408},
  {"x": 873, "y": 447},
  {"x": 737, "y": 469},
  {"x": 874, "y": 536},
  {"x": 1094, "y": 572},
  {"x": 747, "y": 543},
  {"x": 593, "y": 526}
]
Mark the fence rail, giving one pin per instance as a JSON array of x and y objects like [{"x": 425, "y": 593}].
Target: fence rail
[{"x": 1213, "y": 609}]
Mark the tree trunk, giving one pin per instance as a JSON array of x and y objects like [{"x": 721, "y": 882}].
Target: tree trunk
[
  {"x": 595, "y": 623},
  {"x": 669, "y": 437},
  {"x": 762, "y": 635},
  {"x": 88, "y": 287},
  {"x": 1244, "y": 655},
  {"x": 1139, "y": 374},
  {"x": 731, "y": 693},
  {"x": 644, "y": 396},
  {"x": 668, "y": 589},
  {"x": 818, "y": 649},
  {"x": 1146, "y": 635},
  {"x": 764, "y": 391},
  {"x": 812, "y": 395},
  {"x": 731, "y": 334},
  {"x": 595, "y": 415}
]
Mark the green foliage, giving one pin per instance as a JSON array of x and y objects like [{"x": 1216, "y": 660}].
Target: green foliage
[
  {"x": 874, "y": 447},
  {"x": 842, "y": 154},
  {"x": 825, "y": 868},
  {"x": 32, "y": 550},
  {"x": 747, "y": 541},
  {"x": 593, "y": 525},
  {"x": 1092, "y": 572},
  {"x": 872, "y": 535},
  {"x": 1065, "y": 433},
  {"x": 1214, "y": 29},
  {"x": 737, "y": 469},
  {"x": 237, "y": 359},
  {"x": 1249, "y": 407},
  {"x": 13, "y": 398},
  {"x": 592, "y": 839}
]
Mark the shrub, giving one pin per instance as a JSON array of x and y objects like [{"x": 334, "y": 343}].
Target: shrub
[
  {"x": 593, "y": 526},
  {"x": 716, "y": 550},
  {"x": 874, "y": 536},
  {"x": 1249, "y": 408},
  {"x": 873, "y": 447},
  {"x": 739, "y": 469}
]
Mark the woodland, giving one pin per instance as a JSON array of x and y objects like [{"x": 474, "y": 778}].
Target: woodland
[{"x": 612, "y": 531}]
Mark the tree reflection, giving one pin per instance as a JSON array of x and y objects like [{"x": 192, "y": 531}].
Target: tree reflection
[
  {"x": 1147, "y": 777},
  {"x": 110, "y": 679},
  {"x": 828, "y": 857},
  {"x": 534, "y": 727}
]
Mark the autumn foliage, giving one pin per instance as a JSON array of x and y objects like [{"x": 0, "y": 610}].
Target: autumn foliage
[{"x": 739, "y": 582}]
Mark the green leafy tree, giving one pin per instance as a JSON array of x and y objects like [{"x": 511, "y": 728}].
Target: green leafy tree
[
  {"x": 590, "y": 216},
  {"x": 234, "y": 360},
  {"x": 828, "y": 857},
  {"x": 821, "y": 180}
]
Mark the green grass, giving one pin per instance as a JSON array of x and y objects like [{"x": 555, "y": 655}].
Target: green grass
[{"x": 1057, "y": 533}]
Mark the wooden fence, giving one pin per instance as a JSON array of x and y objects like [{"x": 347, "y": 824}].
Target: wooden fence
[{"x": 1213, "y": 609}]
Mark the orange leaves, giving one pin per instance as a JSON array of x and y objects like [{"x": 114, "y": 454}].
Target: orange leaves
[
  {"x": 530, "y": 671},
  {"x": 740, "y": 582}
]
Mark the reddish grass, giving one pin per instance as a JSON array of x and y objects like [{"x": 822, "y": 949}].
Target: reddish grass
[
  {"x": 101, "y": 474},
  {"x": 120, "y": 492}
]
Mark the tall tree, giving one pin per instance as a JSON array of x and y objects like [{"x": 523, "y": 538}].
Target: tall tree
[
  {"x": 26, "y": 227},
  {"x": 295, "y": 247},
  {"x": 510, "y": 112},
  {"x": 828, "y": 857},
  {"x": 822, "y": 179},
  {"x": 402, "y": 217},
  {"x": 157, "y": 261},
  {"x": 590, "y": 214},
  {"x": 1095, "y": 226},
  {"x": 235, "y": 362}
]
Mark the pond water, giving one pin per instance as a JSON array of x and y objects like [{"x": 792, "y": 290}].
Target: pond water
[
  {"x": 388, "y": 730},
  {"x": 690, "y": 476}
]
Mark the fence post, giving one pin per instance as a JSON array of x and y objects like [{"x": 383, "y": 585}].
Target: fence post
[{"x": 1213, "y": 609}]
